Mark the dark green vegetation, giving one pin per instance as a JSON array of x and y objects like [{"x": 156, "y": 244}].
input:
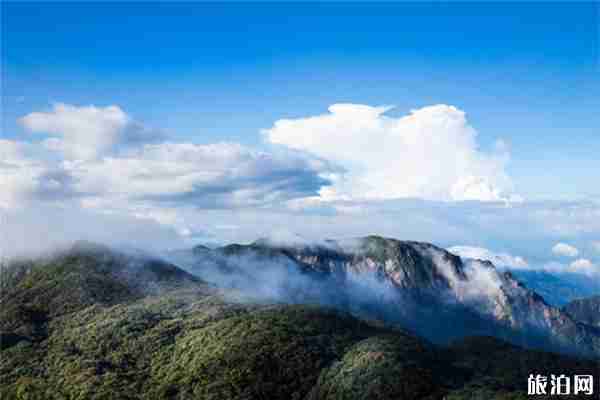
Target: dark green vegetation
[
  {"x": 95, "y": 324},
  {"x": 414, "y": 285}
]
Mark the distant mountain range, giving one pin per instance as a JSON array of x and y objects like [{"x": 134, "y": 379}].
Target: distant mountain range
[
  {"x": 93, "y": 323},
  {"x": 557, "y": 288}
]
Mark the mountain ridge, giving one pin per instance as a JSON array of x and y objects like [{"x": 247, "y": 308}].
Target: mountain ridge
[
  {"x": 413, "y": 277},
  {"x": 190, "y": 341},
  {"x": 586, "y": 310}
]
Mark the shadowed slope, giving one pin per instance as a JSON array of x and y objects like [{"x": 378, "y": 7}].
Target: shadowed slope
[
  {"x": 35, "y": 291},
  {"x": 585, "y": 310},
  {"x": 416, "y": 285}
]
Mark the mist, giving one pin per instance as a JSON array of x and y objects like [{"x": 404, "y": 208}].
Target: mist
[
  {"x": 285, "y": 274},
  {"x": 262, "y": 274},
  {"x": 38, "y": 230},
  {"x": 473, "y": 299}
]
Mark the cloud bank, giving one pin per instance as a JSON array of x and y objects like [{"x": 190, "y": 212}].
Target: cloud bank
[
  {"x": 432, "y": 153},
  {"x": 83, "y": 133},
  {"x": 566, "y": 250},
  {"x": 585, "y": 266},
  {"x": 351, "y": 172},
  {"x": 101, "y": 156},
  {"x": 221, "y": 175},
  {"x": 504, "y": 260}
]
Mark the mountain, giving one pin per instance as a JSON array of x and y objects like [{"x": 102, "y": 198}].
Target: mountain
[
  {"x": 36, "y": 291},
  {"x": 117, "y": 326},
  {"x": 585, "y": 310},
  {"x": 557, "y": 288},
  {"x": 416, "y": 285}
]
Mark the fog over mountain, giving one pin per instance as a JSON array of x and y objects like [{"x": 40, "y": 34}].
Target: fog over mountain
[
  {"x": 359, "y": 200},
  {"x": 352, "y": 319},
  {"x": 417, "y": 285}
]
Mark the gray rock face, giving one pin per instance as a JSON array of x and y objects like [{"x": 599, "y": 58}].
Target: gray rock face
[
  {"x": 417, "y": 285},
  {"x": 585, "y": 310}
]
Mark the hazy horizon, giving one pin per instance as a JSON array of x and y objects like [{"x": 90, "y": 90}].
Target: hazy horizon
[{"x": 229, "y": 122}]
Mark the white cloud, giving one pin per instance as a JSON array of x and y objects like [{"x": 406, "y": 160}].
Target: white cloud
[
  {"x": 10, "y": 151},
  {"x": 221, "y": 175},
  {"x": 154, "y": 183},
  {"x": 161, "y": 177},
  {"x": 564, "y": 249},
  {"x": 498, "y": 259},
  {"x": 27, "y": 231},
  {"x": 86, "y": 132},
  {"x": 17, "y": 174},
  {"x": 584, "y": 266},
  {"x": 581, "y": 266},
  {"x": 110, "y": 162},
  {"x": 24, "y": 175},
  {"x": 194, "y": 191},
  {"x": 432, "y": 153}
]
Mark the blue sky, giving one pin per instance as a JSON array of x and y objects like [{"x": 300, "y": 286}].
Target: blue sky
[
  {"x": 527, "y": 73},
  {"x": 199, "y": 74}
]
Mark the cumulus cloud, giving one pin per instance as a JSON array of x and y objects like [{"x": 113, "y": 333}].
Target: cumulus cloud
[
  {"x": 113, "y": 163},
  {"x": 165, "y": 175},
  {"x": 432, "y": 153},
  {"x": 221, "y": 175},
  {"x": 564, "y": 249},
  {"x": 583, "y": 265},
  {"x": 17, "y": 174},
  {"x": 229, "y": 192},
  {"x": 87, "y": 132},
  {"x": 25, "y": 174},
  {"x": 162, "y": 190},
  {"x": 481, "y": 253}
]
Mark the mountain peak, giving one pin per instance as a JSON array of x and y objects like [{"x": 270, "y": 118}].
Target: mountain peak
[
  {"x": 395, "y": 280},
  {"x": 82, "y": 275}
]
